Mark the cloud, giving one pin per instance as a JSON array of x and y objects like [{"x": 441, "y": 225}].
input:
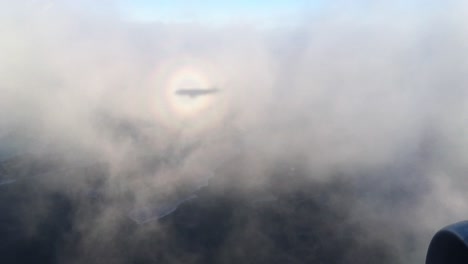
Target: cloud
[{"x": 364, "y": 106}]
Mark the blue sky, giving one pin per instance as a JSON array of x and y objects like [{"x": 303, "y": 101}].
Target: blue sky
[{"x": 214, "y": 12}]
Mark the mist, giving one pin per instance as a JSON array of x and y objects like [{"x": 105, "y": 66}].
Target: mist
[{"x": 339, "y": 138}]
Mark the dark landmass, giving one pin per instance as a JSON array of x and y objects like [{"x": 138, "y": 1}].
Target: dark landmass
[{"x": 288, "y": 220}]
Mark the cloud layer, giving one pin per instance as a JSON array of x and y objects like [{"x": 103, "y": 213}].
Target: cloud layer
[{"x": 366, "y": 106}]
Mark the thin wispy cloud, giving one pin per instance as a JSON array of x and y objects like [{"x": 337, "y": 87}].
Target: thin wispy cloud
[{"x": 354, "y": 116}]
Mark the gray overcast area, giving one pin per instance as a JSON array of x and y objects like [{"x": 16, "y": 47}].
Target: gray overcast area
[{"x": 346, "y": 131}]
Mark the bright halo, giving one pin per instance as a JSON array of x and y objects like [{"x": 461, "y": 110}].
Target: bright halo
[
  {"x": 185, "y": 106},
  {"x": 177, "y": 111}
]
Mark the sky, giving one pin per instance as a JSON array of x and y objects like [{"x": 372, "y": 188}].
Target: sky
[
  {"x": 216, "y": 12},
  {"x": 260, "y": 12}
]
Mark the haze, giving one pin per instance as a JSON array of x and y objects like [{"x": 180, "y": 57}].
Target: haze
[{"x": 347, "y": 120}]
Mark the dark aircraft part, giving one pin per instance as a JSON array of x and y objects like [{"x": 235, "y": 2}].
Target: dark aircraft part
[
  {"x": 449, "y": 245},
  {"x": 192, "y": 93}
]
